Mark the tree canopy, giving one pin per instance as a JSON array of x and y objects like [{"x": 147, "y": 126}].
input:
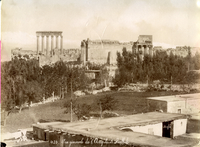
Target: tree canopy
[
  {"x": 24, "y": 81},
  {"x": 161, "y": 67}
]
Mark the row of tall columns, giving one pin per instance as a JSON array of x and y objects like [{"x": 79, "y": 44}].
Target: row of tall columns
[
  {"x": 47, "y": 43},
  {"x": 143, "y": 49}
]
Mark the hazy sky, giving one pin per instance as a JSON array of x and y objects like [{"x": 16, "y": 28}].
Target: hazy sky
[{"x": 171, "y": 22}]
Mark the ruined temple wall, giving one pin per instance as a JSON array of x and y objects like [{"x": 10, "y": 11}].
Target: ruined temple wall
[{"x": 99, "y": 52}]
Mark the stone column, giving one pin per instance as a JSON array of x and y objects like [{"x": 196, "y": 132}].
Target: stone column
[
  {"x": 142, "y": 48},
  {"x": 61, "y": 44},
  {"x": 145, "y": 50},
  {"x": 108, "y": 59},
  {"x": 42, "y": 44},
  {"x": 47, "y": 45},
  {"x": 139, "y": 49},
  {"x": 86, "y": 47},
  {"x": 52, "y": 44},
  {"x": 37, "y": 45},
  {"x": 150, "y": 51},
  {"x": 136, "y": 49},
  {"x": 56, "y": 41},
  {"x": 83, "y": 56}
]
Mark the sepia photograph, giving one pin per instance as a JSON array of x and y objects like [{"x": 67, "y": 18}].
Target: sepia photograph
[{"x": 100, "y": 73}]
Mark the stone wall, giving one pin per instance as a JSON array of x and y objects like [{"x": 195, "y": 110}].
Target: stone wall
[
  {"x": 153, "y": 129},
  {"x": 68, "y": 55},
  {"x": 180, "y": 126},
  {"x": 154, "y": 105},
  {"x": 173, "y": 107},
  {"x": 184, "y": 105},
  {"x": 187, "y": 106},
  {"x": 19, "y": 52},
  {"x": 98, "y": 52}
]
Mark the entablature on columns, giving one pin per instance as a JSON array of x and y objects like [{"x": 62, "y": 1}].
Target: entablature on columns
[
  {"x": 142, "y": 44},
  {"x": 49, "y": 33}
]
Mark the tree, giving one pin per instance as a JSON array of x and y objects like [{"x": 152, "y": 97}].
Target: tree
[
  {"x": 7, "y": 96},
  {"x": 196, "y": 61},
  {"x": 17, "y": 76},
  {"x": 80, "y": 110},
  {"x": 127, "y": 68},
  {"x": 106, "y": 103},
  {"x": 191, "y": 78},
  {"x": 159, "y": 67}
]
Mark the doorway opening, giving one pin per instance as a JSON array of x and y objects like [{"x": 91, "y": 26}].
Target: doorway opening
[
  {"x": 179, "y": 111},
  {"x": 167, "y": 129}
]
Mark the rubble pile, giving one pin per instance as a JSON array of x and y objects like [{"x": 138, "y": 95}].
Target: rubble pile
[
  {"x": 89, "y": 92},
  {"x": 133, "y": 87}
]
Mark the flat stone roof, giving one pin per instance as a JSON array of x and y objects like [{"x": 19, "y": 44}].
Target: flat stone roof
[
  {"x": 177, "y": 97},
  {"x": 124, "y": 121},
  {"x": 48, "y": 33},
  {"x": 195, "y": 116},
  {"x": 29, "y": 143},
  {"x": 110, "y": 128}
]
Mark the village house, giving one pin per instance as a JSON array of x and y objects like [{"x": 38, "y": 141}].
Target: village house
[
  {"x": 184, "y": 104},
  {"x": 148, "y": 129}
]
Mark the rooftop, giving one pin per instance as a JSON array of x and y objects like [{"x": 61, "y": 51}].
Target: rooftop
[
  {"x": 177, "y": 97},
  {"x": 109, "y": 128},
  {"x": 195, "y": 116}
]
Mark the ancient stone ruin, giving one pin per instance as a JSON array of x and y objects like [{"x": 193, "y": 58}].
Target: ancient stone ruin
[
  {"x": 43, "y": 45},
  {"x": 143, "y": 46}
]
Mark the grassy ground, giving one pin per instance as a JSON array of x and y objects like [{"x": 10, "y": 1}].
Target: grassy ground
[{"x": 128, "y": 103}]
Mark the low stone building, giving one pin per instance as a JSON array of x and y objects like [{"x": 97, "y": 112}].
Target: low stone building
[
  {"x": 162, "y": 124},
  {"x": 186, "y": 104},
  {"x": 148, "y": 129}
]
